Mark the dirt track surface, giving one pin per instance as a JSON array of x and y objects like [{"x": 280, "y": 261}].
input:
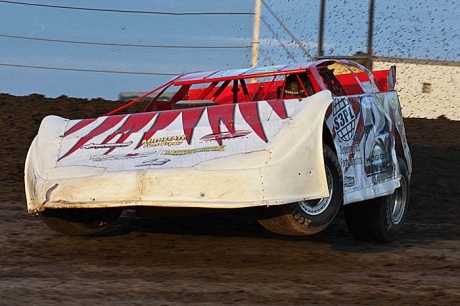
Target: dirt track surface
[{"x": 228, "y": 258}]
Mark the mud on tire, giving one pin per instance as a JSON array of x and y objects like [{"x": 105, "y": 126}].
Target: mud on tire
[{"x": 313, "y": 216}]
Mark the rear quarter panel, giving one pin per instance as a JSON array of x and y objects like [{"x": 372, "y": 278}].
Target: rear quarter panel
[{"x": 364, "y": 130}]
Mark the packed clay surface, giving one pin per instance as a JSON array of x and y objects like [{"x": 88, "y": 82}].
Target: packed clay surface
[{"x": 227, "y": 258}]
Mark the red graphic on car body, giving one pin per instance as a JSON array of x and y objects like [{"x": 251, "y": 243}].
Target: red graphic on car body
[{"x": 134, "y": 123}]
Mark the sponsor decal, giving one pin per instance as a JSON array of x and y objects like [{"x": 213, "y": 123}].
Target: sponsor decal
[
  {"x": 344, "y": 119},
  {"x": 106, "y": 145},
  {"x": 164, "y": 141},
  {"x": 99, "y": 158},
  {"x": 154, "y": 162},
  {"x": 348, "y": 181},
  {"x": 224, "y": 135},
  {"x": 351, "y": 162},
  {"x": 378, "y": 146},
  {"x": 193, "y": 151},
  {"x": 354, "y": 148},
  {"x": 379, "y": 159}
]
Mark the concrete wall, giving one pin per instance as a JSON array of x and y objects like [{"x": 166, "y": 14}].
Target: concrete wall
[{"x": 426, "y": 88}]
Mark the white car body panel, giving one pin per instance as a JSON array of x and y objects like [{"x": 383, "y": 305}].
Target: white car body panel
[{"x": 273, "y": 160}]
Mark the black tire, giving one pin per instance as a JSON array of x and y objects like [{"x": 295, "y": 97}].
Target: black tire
[
  {"x": 80, "y": 222},
  {"x": 380, "y": 219},
  {"x": 309, "y": 217}
]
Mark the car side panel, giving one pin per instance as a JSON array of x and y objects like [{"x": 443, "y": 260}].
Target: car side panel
[{"x": 364, "y": 130}]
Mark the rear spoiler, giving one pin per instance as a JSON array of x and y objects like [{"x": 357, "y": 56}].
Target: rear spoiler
[
  {"x": 391, "y": 78},
  {"x": 385, "y": 79}
]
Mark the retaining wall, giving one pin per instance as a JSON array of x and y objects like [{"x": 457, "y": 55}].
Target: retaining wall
[{"x": 426, "y": 88}]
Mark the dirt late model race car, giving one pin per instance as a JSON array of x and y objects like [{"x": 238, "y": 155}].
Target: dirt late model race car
[{"x": 296, "y": 142}]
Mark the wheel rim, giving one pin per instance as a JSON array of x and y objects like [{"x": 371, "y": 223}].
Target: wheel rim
[
  {"x": 316, "y": 207},
  {"x": 398, "y": 202}
]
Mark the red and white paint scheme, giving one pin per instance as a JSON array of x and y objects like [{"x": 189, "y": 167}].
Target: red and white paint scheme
[
  {"x": 228, "y": 139},
  {"x": 107, "y": 159}
]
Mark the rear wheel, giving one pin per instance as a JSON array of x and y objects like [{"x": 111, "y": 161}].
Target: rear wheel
[
  {"x": 80, "y": 222},
  {"x": 309, "y": 217},
  {"x": 380, "y": 219}
]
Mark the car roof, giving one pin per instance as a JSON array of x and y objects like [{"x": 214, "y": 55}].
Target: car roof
[{"x": 245, "y": 73}]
